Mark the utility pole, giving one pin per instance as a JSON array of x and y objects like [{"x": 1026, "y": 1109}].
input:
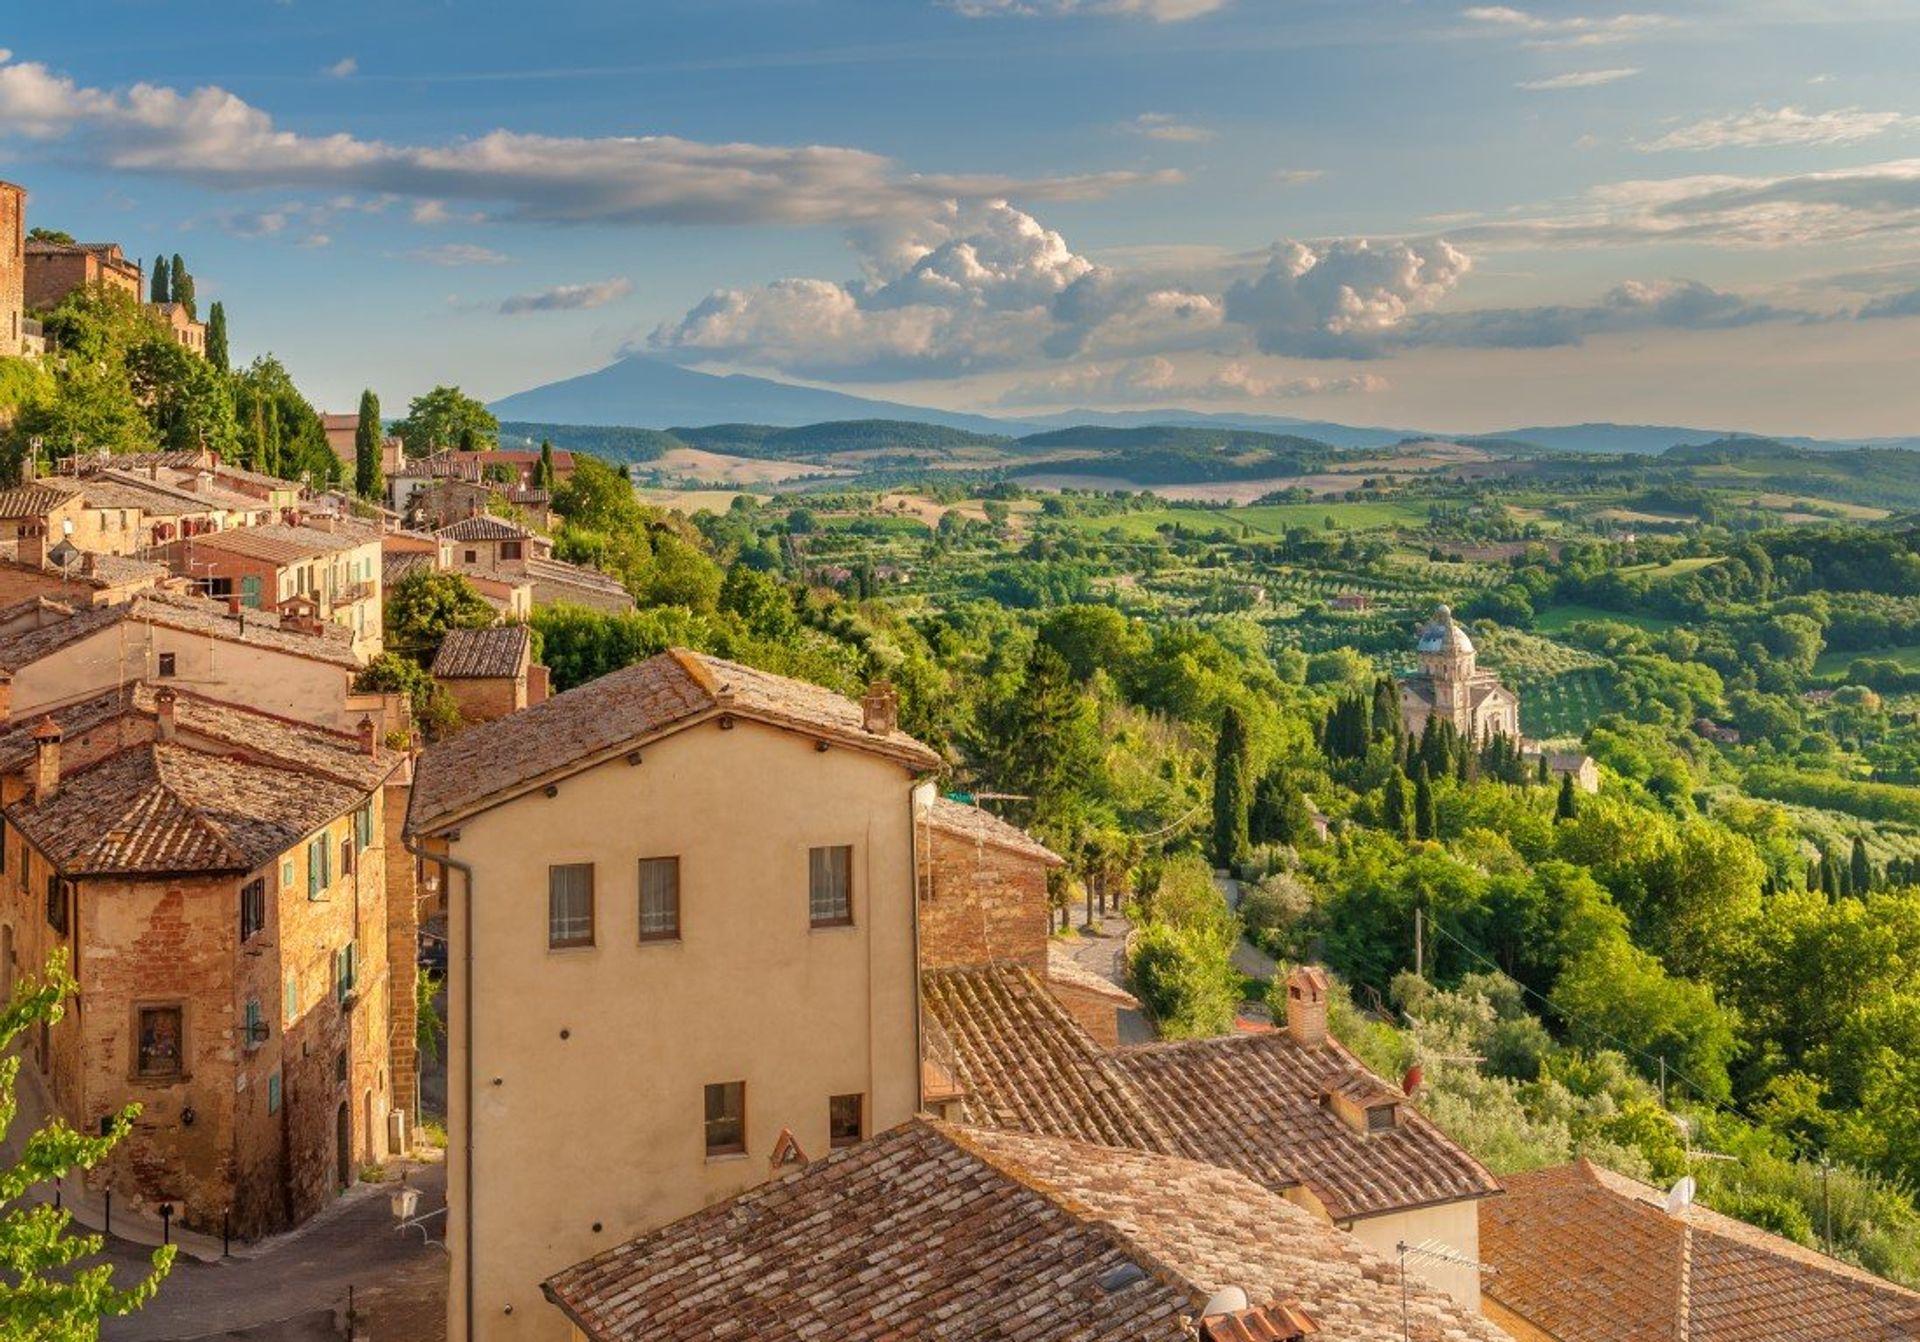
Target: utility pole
[
  {"x": 1419, "y": 942},
  {"x": 1826, "y": 1203},
  {"x": 1663, "y": 1081}
]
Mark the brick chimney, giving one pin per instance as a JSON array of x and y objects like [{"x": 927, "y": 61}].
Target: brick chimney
[
  {"x": 880, "y": 709},
  {"x": 369, "y": 739},
  {"x": 6, "y": 698},
  {"x": 164, "y": 702},
  {"x": 233, "y": 603},
  {"x": 1307, "y": 1005},
  {"x": 46, "y": 761}
]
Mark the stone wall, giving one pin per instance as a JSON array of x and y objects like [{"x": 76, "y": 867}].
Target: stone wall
[
  {"x": 485, "y": 699},
  {"x": 1096, "y": 1013},
  {"x": 403, "y": 949},
  {"x": 13, "y": 266},
  {"x": 981, "y": 904}
]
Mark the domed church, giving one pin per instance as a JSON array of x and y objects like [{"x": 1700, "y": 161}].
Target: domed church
[{"x": 1450, "y": 686}]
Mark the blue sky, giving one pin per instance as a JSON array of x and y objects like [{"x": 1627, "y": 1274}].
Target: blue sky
[{"x": 1450, "y": 216}]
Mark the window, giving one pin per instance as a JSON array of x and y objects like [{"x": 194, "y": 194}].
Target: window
[
  {"x": 254, "y": 1031},
  {"x": 830, "y": 886},
  {"x": 844, "y": 1115},
  {"x": 509, "y": 549},
  {"x": 273, "y": 1093},
  {"x": 727, "y": 1118},
  {"x": 363, "y": 827},
  {"x": 340, "y": 1068},
  {"x": 346, "y": 856},
  {"x": 1381, "y": 1117},
  {"x": 160, "y": 1042},
  {"x": 659, "y": 899},
  {"x": 473, "y": 557},
  {"x": 286, "y": 873},
  {"x": 168, "y": 663},
  {"x": 253, "y": 907},
  {"x": 250, "y": 595},
  {"x": 57, "y": 904},
  {"x": 319, "y": 866},
  {"x": 293, "y": 997},
  {"x": 346, "y": 970},
  {"x": 570, "y": 905}
]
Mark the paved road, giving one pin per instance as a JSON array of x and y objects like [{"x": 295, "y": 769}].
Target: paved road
[
  {"x": 1248, "y": 958},
  {"x": 290, "y": 1288},
  {"x": 1105, "y": 954}
]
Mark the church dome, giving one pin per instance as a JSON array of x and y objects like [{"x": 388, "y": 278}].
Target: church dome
[{"x": 1443, "y": 635}]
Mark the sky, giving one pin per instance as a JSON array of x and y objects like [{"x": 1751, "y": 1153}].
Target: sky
[{"x": 1455, "y": 217}]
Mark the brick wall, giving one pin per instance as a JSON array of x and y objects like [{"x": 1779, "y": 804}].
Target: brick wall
[
  {"x": 51, "y": 276},
  {"x": 13, "y": 265},
  {"x": 485, "y": 699},
  {"x": 1096, "y": 1013},
  {"x": 981, "y": 904},
  {"x": 403, "y": 949}
]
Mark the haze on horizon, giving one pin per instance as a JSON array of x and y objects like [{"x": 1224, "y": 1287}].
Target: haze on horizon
[{"x": 1456, "y": 216}]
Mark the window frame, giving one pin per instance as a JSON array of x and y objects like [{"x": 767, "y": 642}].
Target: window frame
[
  {"x": 253, "y": 1025},
  {"x": 167, "y": 665},
  {"x": 135, "y": 1063},
  {"x": 725, "y": 1090},
  {"x": 571, "y": 943},
  {"x": 253, "y": 899},
  {"x": 845, "y": 918},
  {"x": 640, "y": 870},
  {"x": 835, "y": 1140},
  {"x": 320, "y": 872},
  {"x": 59, "y": 903}
]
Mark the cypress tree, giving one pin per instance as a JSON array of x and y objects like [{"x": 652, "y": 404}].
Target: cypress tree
[
  {"x": 545, "y": 479},
  {"x": 1386, "y": 709},
  {"x": 182, "y": 285},
  {"x": 1567, "y": 806},
  {"x": 367, "y": 480},
  {"x": 1829, "y": 875},
  {"x": 217, "y": 353},
  {"x": 1426, "y": 815},
  {"x": 1395, "y": 811},
  {"x": 1232, "y": 762},
  {"x": 160, "y": 290},
  {"x": 1861, "y": 867}
]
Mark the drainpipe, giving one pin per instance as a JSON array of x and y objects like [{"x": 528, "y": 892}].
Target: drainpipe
[
  {"x": 913, "y": 874},
  {"x": 445, "y": 863}
]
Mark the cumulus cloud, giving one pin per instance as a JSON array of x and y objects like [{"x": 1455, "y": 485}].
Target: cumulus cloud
[
  {"x": 1341, "y": 299},
  {"x": 1765, "y": 127},
  {"x": 1578, "y": 79},
  {"x": 1162, "y": 126},
  {"x": 345, "y": 68},
  {"x": 568, "y": 297},
  {"x": 1905, "y": 304},
  {"x": 1577, "y": 31},
  {"x": 1158, "y": 11},
  {"x": 1159, "y": 379},
  {"x": 214, "y": 138},
  {"x": 456, "y": 254},
  {"x": 1685, "y": 305},
  {"x": 1298, "y": 176}
]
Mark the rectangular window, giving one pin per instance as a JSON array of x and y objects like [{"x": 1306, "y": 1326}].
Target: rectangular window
[
  {"x": 346, "y": 970},
  {"x": 319, "y": 866},
  {"x": 161, "y": 1051},
  {"x": 659, "y": 899},
  {"x": 273, "y": 1093},
  {"x": 346, "y": 856},
  {"x": 363, "y": 827},
  {"x": 830, "y": 886},
  {"x": 254, "y": 1031},
  {"x": 570, "y": 905},
  {"x": 293, "y": 997},
  {"x": 253, "y": 907},
  {"x": 57, "y": 904},
  {"x": 286, "y": 874},
  {"x": 509, "y": 549},
  {"x": 340, "y": 1068},
  {"x": 727, "y": 1118},
  {"x": 845, "y": 1119},
  {"x": 168, "y": 663}
]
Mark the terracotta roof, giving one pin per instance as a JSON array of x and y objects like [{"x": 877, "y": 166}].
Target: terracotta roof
[
  {"x": 94, "y": 569},
  {"x": 556, "y": 573},
  {"x": 35, "y": 500},
  {"x": 277, "y": 544},
  {"x": 479, "y": 654},
  {"x": 484, "y": 528},
  {"x": 191, "y": 614},
  {"x": 931, "y": 1231},
  {"x": 1026, "y": 1065},
  {"x": 1586, "y": 1255},
  {"x": 158, "y": 809},
  {"x": 394, "y": 567},
  {"x": 978, "y": 826},
  {"x": 607, "y": 716},
  {"x": 1253, "y": 1103}
]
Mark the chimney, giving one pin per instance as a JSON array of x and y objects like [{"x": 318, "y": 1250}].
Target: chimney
[
  {"x": 1307, "y": 1006},
  {"x": 369, "y": 741},
  {"x": 30, "y": 464},
  {"x": 233, "y": 603},
  {"x": 46, "y": 761},
  {"x": 164, "y": 701},
  {"x": 153, "y": 470},
  {"x": 6, "y": 699},
  {"x": 880, "y": 709}
]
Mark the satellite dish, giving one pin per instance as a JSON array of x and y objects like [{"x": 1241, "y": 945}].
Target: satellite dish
[
  {"x": 1680, "y": 1196},
  {"x": 1226, "y": 1300}
]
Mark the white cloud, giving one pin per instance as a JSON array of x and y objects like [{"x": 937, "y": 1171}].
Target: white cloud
[
  {"x": 1578, "y": 79},
  {"x": 1764, "y": 127},
  {"x": 1162, "y": 126},
  {"x": 1342, "y": 299},
  {"x": 456, "y": 254},
  {"x": 1158, "y": 11},
  {"x": 1637, "y": 305},
  {"x": 1161, "y": 381},
  {"x": 1569, "y": 32},
  {"x": 216, "y": 139},
  {"x": 344, "y": 68},
  {"x": 568, "y": 297},
  {"x": 1298, "y": 176}
]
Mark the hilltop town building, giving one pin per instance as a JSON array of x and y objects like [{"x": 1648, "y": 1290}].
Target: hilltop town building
[
  {"x": 490, "y": 672},
  {"x": 328, "y": 569},
  {"x": 722, "y": 868},
  {"x": 13, "y": 269},
  {"x": 216, "y": 879},
  {"x": 56, "y": 269},
  {"x": 1450, "y": 687}
]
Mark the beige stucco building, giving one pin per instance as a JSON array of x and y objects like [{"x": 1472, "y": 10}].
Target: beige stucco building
[
  {"x": 1450, "y": 686},
  {"x": 685, "y": 896}
]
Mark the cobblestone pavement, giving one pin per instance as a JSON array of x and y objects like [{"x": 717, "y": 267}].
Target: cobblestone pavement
[{"x": 293, "y": 1287}]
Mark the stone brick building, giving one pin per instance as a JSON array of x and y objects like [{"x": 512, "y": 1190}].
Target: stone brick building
[
  {"x": 217, "y": 879},
  {"x": 13, "y": 267},
  {"x": 983, "y": 890},
  {"x": 490, "y": 672},
  {"x": 56, "y": 269}
]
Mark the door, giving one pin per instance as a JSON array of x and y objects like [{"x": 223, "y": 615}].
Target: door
[
  {"x": 366, "y": 1129},
  {"x": 343, "y": 1148}
]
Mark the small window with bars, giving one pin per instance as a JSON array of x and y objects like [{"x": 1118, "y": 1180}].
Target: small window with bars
[
  {"x": 727, "y": 1118},
  {"x": 659, "y": 899},
  {"x": 830, "y": 886},
  {"x": 570, "y": 905}
]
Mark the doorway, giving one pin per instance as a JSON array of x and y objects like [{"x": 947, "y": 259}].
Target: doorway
[{"x": 343, "y": 1148}]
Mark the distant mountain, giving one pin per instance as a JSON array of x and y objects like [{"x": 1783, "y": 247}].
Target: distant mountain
[
  {"x": 1336, "y": 435},
  {"x": 649, "y": 394},
  {"x": 857, "y": 435}
]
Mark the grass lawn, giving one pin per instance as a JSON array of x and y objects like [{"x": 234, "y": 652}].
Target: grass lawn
[
  {"x": 1270, "y": 519},
  {"x": 1557, "y": 619},
  {"x": 1664, "y": 573},
  {"x": 1836, "y": 663}
]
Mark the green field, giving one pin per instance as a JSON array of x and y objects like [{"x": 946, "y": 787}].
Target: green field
[
  {"x": 1557, "y": 619},
  {"x": 1664, "y": 573},
  {"x": 1261, "y": 520},
  {"x": 1836, "y": 663}
]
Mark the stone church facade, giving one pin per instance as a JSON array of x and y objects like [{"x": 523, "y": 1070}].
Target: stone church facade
[{"x": 1451, "y": 686}]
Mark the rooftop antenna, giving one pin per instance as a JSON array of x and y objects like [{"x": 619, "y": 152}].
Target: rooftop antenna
[{"x": 1429, "y": 1251}]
